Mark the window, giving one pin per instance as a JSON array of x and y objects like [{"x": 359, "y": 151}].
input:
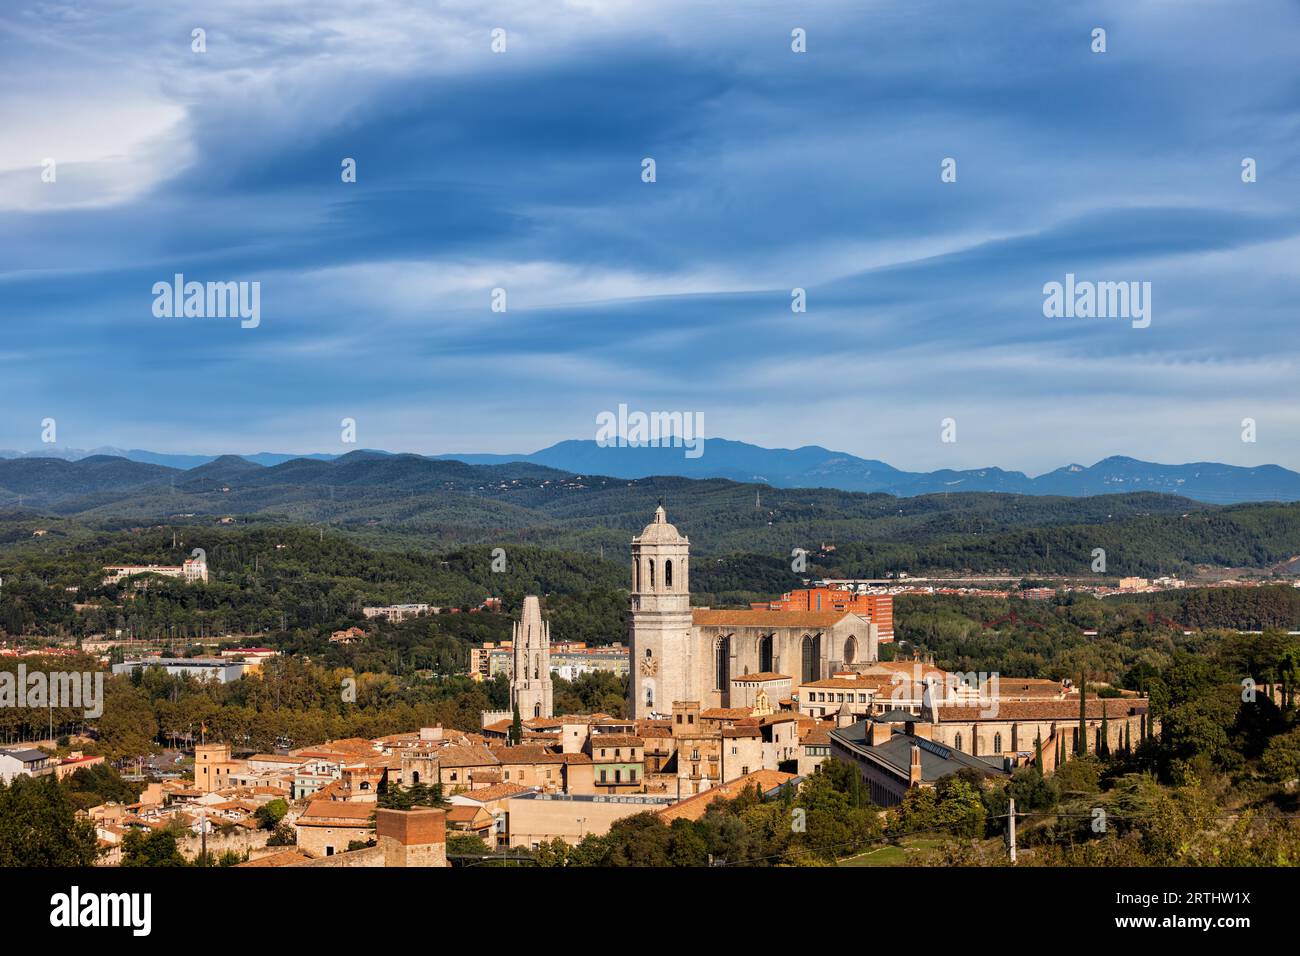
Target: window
[
  {"x": 811, "y": 652},
  {"x": 602, "y": 776},
  {"x": 997, "y": 743},
  {"x": 668, "y": 575},
  {"x": 652, "y": 574},
  {"x": 956, "y": 743}
]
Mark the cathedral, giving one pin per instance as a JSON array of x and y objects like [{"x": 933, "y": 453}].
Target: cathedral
[{"x": 684, "y": 654}]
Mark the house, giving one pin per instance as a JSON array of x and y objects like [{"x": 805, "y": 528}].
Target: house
[{"x": 23, "y": 762}]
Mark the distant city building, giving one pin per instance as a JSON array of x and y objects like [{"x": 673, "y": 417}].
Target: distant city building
[
  {"x": 194, "y": 569},
  {"x": 876, "y": 608},
  {"x": 398, "y": 612},
  {"x": 200, "y": 668},
  {"x": 569, "y": 659},
  {"x": 1133, "y": 584}
]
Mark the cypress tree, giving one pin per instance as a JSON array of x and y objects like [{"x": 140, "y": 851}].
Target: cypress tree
[
  {"x": 1128, "y": 739},
  {"x": 1081, "y": 746},
  {"x": 516, "y": 727},
  {"x": 1038, "y": 753},
  {"x": 1105, "y": 731}
]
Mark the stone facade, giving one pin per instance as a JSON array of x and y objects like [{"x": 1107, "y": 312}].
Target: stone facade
[
  {"x": 530, "y": 686},
  {"x": 678, "y": 654}
]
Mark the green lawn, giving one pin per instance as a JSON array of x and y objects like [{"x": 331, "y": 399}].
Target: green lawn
[{"x": 903, "y": 854}]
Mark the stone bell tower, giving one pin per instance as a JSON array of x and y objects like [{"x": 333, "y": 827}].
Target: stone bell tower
[
  {"x": 530, "y": 685},
  {"x": 660, "y": 640}
]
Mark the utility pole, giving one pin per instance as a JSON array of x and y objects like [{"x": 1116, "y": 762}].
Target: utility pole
[{"x": 1011, "y": 829}]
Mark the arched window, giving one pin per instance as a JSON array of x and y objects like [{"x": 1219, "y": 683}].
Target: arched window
[
  {"x": 956, "y": 742},
  {"x": 636, "y": 575},
  {"x": 722, "y": 663},
  {"x": 652, "y": 574},
  {"x": 649, "y": 696},
  {"x": 668, "y": 574},
  {"x": 647, "y": 652},
  {"x": 811, "y": 654},
  {"x": 537, "y": 709},
  {"x": 850, "y": 649},
  {"x": 415, "y": 776},
  {"x": 997, "y": 743},
  {"x": 765, "y": 663}
]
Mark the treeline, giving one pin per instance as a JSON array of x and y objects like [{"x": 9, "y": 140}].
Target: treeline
[
  {"x": 1018, "y": 638},
  {"x": 295, "y": 703}
]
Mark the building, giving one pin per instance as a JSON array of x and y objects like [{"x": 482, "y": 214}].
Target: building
[
  {"x": 537, "y": 818},
  {"x": 617, "y": 762},
  {"x": 213, "y": 767},
  {"x": 398, "y": 612},
  {"x": 876, "y": 608},
  {"x": 348, "y": 635},
  {"x": 327, "y": 827},
  {"x": 192, "y": 570},
  {"x": 23, "y": 762},
  {"x": 200, "y": 668},
  {"x": 531, "y": 690},
  {"x": 73, "y": 762},
  {"x": 894, "y": 757},
  {"x": 680, "y": 654},
  {"x": 569, "y": 659}
]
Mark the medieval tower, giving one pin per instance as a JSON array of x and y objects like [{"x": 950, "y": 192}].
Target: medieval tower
[
  {"x": 530, "y": 685},
  {"x": 661, "y": 640}
]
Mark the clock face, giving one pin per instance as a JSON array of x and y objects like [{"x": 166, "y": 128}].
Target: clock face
[{"x": 649, "y": 666}]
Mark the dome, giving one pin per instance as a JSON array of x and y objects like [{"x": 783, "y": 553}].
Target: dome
[{"x": 659, "y": 531}]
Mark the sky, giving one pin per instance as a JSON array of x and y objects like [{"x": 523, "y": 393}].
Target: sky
[{"x": 522, "y": 170}]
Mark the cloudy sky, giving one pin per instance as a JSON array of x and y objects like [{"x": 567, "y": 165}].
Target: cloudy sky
[{"x": 522, "y": 170}]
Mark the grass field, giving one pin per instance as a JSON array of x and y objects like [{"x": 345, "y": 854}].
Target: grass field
[{"x": 905, "y": 853}]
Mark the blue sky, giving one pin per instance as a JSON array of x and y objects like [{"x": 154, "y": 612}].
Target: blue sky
[{"x": 522, "y": 170}]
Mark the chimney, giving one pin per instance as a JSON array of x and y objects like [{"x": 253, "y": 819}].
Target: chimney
[
  {"x": 914, "y": 772},
  {"x": 880, "y": 733}
]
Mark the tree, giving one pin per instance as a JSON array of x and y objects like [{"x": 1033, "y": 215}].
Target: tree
[
  {"x": 1081, "y": 744},
  {"x": 516, "y": 726},
  {"x": 269, "y": 814},
  {"x": 1281, "y": 760},
  {"x": 157, "y": 848},
  {"x": 39, "y": 826}
]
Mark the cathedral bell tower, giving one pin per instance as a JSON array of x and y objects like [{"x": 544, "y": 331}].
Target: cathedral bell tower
[{"x": 660, "y": 638}]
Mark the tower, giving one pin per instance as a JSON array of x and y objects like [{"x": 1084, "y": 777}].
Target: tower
[
  {"x": 530, "y": 684},
  {"x": 660, "y": 631}
]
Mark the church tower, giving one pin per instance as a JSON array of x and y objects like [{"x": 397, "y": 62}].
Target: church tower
[
  {"x": 530, "y": 685},
  {"x": 660, "y": 638}
]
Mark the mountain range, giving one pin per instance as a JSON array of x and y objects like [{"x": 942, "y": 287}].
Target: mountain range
[{"x": 808, "y": 467}]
